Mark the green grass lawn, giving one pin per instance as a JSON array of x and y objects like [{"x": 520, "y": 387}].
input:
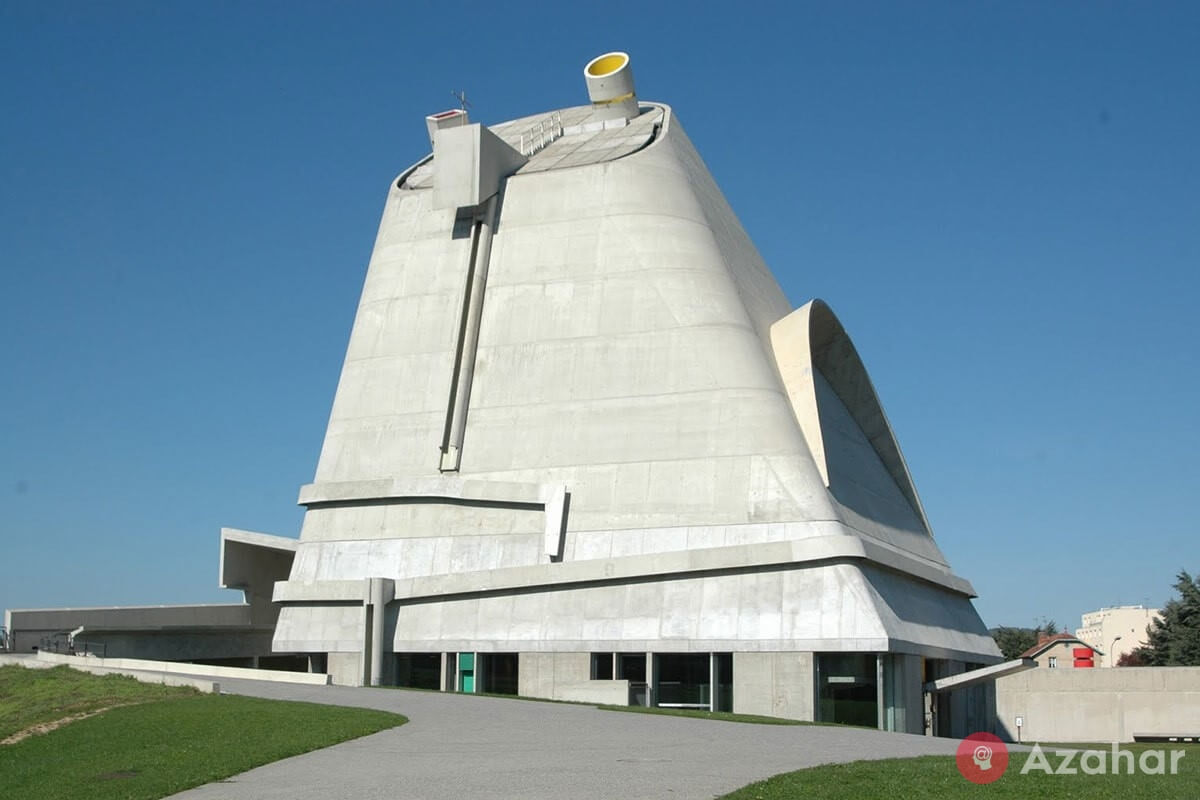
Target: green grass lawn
[
  {"x": 32, "y": 696},
  {"x": 938, "y": 777},
  {"x": 172, "y": 740}
]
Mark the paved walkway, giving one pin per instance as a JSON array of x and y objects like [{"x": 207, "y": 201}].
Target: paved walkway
[{"x": 457, "y": 746}]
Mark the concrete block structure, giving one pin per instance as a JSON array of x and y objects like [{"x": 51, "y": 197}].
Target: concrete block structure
[
  {"x": 1117, "y": 630},
  {"x": 583, "y": 447}
]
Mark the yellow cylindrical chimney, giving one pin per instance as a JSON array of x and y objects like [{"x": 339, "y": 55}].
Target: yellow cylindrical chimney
[{"x": 610, "y": 86}]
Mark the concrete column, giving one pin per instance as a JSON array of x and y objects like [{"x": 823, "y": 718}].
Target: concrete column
[
  {"x": 379, "y": 592},
  {"x": 364, "y": 652},
  {"x": 651, "y": 680},
  {"x": 880, "y": 695},
  {"x": 712, "y": 681}
]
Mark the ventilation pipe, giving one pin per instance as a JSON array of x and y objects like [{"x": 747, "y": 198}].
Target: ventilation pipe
[{"x": 610, "y": 87}]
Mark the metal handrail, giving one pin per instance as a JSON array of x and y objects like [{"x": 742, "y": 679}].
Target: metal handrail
[
  {"x": 541, "y": 134},
  {"x": 63, "y": 643}
]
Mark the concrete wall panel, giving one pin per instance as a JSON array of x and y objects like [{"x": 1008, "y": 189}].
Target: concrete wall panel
[
  {"x": 1099, "y": 705},
  {"x": 774, "y": 684}
]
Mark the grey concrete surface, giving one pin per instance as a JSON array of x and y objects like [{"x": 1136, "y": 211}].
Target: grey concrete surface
[
  {"x": 459, "y": 746},
  {"x": 208, "y": 671},
  {"x": 1099, "y": 705},
  {"x": 604, "y": 325}
]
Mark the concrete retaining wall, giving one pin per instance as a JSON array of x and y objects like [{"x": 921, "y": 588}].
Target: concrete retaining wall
[
  {"x": 172, "y": 667},
  {"x": 208, "y": 687},
  {"x": 1098, "y": 705},
  {"x": 604, "y": 693}
]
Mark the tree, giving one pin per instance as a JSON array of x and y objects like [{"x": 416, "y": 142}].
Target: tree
[
  {"x": 1173, "y": 640},
  {"x": 1014, "y": 641},
  {"x": 1130, "y": 659}
]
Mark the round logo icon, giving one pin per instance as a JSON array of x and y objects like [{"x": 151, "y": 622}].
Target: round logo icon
[{"x": 982, "y": 758}]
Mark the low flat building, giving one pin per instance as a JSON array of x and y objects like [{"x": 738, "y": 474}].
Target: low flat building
[{"x": 228, "y": 634}]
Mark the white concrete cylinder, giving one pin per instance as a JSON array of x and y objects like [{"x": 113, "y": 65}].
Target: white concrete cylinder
[{"x": 609, "y": 81}]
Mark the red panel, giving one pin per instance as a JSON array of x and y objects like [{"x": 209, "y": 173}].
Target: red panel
[
  {"x": 1084, "y": 663},
  {"x": 1082, "y": 652}
]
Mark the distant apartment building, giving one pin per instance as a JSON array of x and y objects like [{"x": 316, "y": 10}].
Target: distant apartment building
[{"x": 1116, "y": 631}]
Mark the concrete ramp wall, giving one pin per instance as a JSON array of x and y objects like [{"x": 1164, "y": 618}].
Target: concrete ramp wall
[{"x": 183, "y": 668}]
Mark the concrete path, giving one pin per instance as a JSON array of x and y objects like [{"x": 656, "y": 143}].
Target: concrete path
[{"x": 457, "y": 746}]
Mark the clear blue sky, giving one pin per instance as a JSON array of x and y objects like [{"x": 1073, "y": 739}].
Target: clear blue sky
[{"x": 1001, "y": 200}]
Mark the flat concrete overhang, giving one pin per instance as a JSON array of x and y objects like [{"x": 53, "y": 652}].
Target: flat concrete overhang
[
  {"x": 241, "y": 552},
  {"x": 982, "y": 675}
]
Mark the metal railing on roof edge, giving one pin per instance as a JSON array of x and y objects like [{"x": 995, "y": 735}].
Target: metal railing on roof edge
[{"x": 541, "y": 133}]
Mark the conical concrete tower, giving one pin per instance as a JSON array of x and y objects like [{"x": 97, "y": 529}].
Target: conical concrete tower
[{"x": 583, "y": 444}]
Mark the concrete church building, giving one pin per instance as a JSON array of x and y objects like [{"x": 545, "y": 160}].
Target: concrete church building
[{"x": 582, "y": 447}]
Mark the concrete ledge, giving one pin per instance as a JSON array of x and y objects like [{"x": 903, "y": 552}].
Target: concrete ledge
[
  {"x": 320, "y": 592},
  {"x": 22, "y": 660},
  {"x": 616, "y": 570},
  {"x": 215, "y": 615},
  {"x": 208, "y": 687},
  {"x": 447, "y": 488},
  {"x": 178, "y": 668},
  {"x": 266, "y": 540}
]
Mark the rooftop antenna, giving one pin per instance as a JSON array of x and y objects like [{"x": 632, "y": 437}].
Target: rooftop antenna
[{"x": 461, "y": 97}]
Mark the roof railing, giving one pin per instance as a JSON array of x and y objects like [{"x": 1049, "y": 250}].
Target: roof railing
[{"x": 541, "y": 134}]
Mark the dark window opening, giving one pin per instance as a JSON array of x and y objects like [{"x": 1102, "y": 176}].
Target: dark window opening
[
  {"x": 631, "y": 667},
  {"x": 847, "y": 689},
  {"x": 498, "y": 672},
  {"x": 682, "y": 680},
  {"x": 602, "y": 666},
  {"x": 419, "y": 670}
]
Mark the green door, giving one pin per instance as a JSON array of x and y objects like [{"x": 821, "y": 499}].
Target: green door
[{"x": 466, "y": 672}]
